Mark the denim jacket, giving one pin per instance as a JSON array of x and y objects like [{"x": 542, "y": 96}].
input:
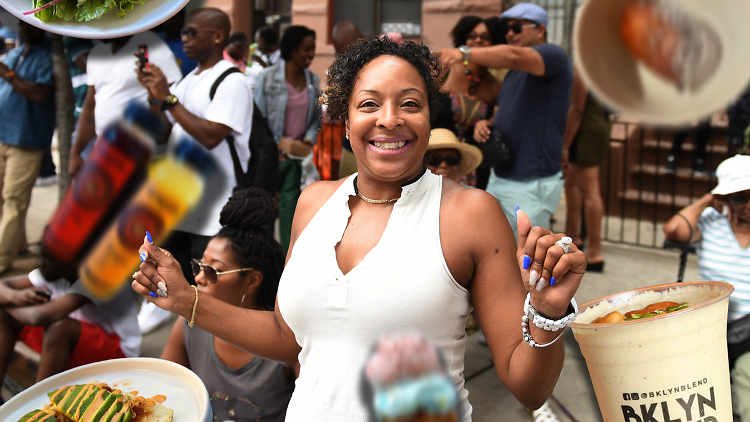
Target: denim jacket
[{"x": 271, "y": 97}]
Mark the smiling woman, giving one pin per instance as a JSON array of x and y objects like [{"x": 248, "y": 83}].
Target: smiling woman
[{"x": 395, "y": 248}]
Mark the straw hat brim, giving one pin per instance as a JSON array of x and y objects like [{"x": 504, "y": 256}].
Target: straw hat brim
[{"x": 471, "y": 156}]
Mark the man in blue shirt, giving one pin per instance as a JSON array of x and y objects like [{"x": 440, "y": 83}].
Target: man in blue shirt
[
  {"x": 532, "y": 110},
  {"x": 27, "y": 122},
  {"x": 5, "y": 34}
]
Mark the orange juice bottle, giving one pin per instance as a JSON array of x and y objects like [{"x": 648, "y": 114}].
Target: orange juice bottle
[
  {"x": 112, "y": 174},
  {"x": 174, "y": 186}
]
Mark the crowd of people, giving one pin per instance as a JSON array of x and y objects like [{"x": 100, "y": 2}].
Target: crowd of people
[{"x": 449, "y": 172}]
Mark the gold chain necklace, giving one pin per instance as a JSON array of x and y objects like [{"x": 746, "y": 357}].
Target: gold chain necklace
[{"x": 372, "y": 201}]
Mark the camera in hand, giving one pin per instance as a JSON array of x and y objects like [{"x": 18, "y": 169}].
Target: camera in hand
[{"x": 495, "y": 150}]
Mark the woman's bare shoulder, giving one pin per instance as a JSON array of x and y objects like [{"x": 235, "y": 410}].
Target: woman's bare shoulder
[
  {"x": 456, "y": 194},
  {"x": 315, "y": 195}
]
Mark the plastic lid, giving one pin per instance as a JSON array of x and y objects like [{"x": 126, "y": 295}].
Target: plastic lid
[
  {"x": 195, "y": 155},
  {"x": 141, "y": 116}
]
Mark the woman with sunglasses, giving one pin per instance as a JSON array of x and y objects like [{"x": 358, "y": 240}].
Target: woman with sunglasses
[
  {"x": 719, "y": 224},
  {"x": 394, "y": 248},
  {"x": 450, "y": 158},
  {"x": 472, "y": 89},
  {"x": 241, "y": 266}
]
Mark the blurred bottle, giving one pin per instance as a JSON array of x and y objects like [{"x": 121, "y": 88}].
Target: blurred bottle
[
  {"x": 112, "y": 173},
  {"x": 173, "y": 188}
]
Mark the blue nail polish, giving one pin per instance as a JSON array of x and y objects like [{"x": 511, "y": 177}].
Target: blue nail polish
[
  {"x": 152, "y": 294},
  {"x": 149, "y": 238},
  {"x": 526, "y": 262},
  {"x": 552, "y": 281},
  {"x": 517, "y": 208},
  {"x": 143, "y": 256}
]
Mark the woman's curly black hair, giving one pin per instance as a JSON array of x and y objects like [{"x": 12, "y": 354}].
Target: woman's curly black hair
[
  {"x": 243, "y": 219},
  {"x": 292, "y": 39},
  {"x": 342, "y": 75},
  {"x": 463, "y": 29}
]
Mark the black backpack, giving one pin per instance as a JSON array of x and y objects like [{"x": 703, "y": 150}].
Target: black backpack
[{"x": 263, "y": 167}]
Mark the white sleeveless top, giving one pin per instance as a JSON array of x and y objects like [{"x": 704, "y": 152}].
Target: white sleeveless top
[{"x": 402, "y": 285}]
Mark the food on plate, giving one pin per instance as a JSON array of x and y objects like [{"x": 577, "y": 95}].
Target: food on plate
[
  {"x": 99, "y": 403},
  {"x": 410, "y": 383},
  {"x": 37, "y": 415},
  {"x": 671, "y": 42},
  {"x": 647, "y": 312},
  {"x": 79, "y": 10}
]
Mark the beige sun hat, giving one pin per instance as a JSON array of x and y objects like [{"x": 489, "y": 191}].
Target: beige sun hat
[
  {"x": 733, "y": 174},
  {"x": 471, "y": 156}
]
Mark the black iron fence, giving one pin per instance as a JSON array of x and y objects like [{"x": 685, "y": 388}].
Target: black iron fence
[{"x": 641, "y": 191}]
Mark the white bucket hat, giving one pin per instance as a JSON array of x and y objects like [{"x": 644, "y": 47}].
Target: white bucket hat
[{"x": 734, "y": 175}]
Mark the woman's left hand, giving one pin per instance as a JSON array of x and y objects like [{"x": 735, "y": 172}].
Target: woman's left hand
[{"x": 549, "y": 274}]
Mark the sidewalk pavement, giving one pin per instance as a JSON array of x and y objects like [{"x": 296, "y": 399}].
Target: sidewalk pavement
[{"x": 627, "y": 267}]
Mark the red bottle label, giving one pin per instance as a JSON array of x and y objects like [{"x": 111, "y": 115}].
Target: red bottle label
[{"x": 102, "y": 179}]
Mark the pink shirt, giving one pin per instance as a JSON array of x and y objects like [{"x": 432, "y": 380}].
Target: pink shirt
[{"x": 295, "y": 117}]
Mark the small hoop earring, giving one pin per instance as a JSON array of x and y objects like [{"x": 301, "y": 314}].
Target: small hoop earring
[{"x": 243, "y": 300}]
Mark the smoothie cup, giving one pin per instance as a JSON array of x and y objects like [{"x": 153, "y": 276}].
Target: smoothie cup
[{"x": 668, "y": 368}]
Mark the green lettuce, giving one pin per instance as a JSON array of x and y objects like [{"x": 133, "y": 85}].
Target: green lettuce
[
  {"x": 65, "y": 10},
  {"x": 93, "y": 9},
  {"x": 127, "y": 6},
  {"x": 46, "y": 15},
  {"x": 83, "y": 10}
]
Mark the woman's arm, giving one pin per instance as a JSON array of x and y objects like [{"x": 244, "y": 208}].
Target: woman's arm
[
  {"x": 498, "y": 288},
  {"x": 260, "y": 333},
  {"x": 175, "y": 349},
  {"x": 683, "y": 226},
  {"x": 313, "y": 126}
]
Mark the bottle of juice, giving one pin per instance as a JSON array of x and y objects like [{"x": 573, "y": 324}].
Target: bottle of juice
[
  {"x": 174, "y": 186},
  {"x": 113, "y": 172}
]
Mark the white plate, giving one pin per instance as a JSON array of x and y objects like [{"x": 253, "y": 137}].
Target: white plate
[
  {"x": 185, "y": 392},
  {"x": 626, "y": 85},
  {"x": 144, "y": 17}
]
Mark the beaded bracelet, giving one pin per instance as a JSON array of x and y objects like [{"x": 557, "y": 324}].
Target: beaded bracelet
[
  {"x": 195, "y": 306},
  {"x": 531, "y": 315},
  {"x": 527, "y": 337}
]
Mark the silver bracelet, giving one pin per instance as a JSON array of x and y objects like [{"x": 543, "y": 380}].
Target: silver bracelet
[{"x": 531, "y": 314}]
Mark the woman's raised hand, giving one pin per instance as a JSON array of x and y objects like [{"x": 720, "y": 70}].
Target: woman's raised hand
[
  {"x": 549, "y": 274},
  {"x": 160, "y": 279}
]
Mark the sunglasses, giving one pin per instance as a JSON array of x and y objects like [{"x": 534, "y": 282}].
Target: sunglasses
[
  {"x": 518, "y": 28},
  {"x": 739, "y": 199},
  {"x": 482, "y": 37},
  {"x": 192, "y": 32},
  {"x": 210, "y": 272},
  {"x": 435, "y": 161}
]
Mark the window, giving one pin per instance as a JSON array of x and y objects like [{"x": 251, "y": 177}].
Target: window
[{"x": 379, "y": 16}]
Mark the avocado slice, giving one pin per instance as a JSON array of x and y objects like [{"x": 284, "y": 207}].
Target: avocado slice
[
  {"x": 99, "y": 406},
  {"x": 58, "y": 394},
  {"x": 70, "y": 396},
  {"x": 35, "y": 416},
  {"x": 76, "y": 409},
  {"x": 112, "y": 411}
]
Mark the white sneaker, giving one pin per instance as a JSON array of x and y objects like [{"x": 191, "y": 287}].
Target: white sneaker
[
  {"x": 545, "y": 414},
  {"x": 151, "y": 317}
]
